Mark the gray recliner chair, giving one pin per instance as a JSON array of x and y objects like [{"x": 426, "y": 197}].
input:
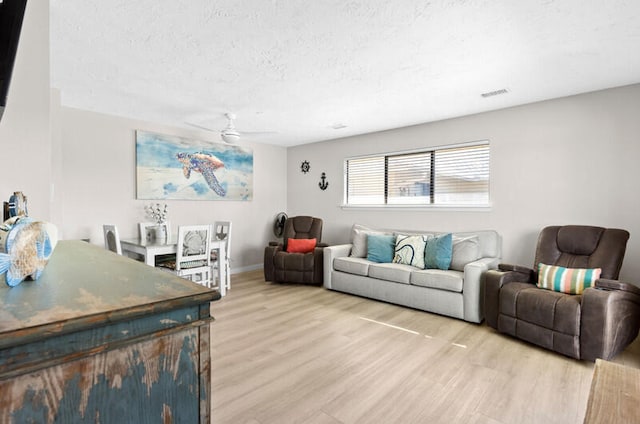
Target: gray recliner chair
[
  {"x": 282, "y": 266},
  {"x": 599, "y": 323}
]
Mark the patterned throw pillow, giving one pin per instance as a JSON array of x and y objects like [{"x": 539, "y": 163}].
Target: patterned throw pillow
[
  {"x": 410, "y": 250},
  {"x": 566, "y": 280}
]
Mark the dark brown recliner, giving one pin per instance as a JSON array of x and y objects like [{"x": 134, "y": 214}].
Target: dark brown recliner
[
  {"x": 599, "y": 323},
  {"x": 283, "y": 267}
]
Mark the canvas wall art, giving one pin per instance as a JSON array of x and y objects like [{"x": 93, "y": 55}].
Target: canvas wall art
[{"x": 172, "y": 167}]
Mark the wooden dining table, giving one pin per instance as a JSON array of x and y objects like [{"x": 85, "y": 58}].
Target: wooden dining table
[{"x": 150, "y": 249}]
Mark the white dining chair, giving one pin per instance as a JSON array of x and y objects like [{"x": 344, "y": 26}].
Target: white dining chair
[
  {"x": 112, "y": 238},
  {"x": 193, "y": 254},
  {"x": 222, "y": 231}
]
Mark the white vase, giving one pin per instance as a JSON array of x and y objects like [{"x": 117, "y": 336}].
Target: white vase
[{"x": 160, "y": 233}]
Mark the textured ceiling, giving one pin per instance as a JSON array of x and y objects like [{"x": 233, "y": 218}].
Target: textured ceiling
[{"x": 300, "y": 68}]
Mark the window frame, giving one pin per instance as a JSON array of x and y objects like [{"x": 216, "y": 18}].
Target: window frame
[{"x": 426, "y": 206}]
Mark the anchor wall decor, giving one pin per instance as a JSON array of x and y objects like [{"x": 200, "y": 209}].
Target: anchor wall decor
[{"x": 323, "y": 184}]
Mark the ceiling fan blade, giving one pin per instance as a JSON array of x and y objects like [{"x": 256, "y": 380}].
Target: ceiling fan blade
[
  {"x": 201, "y": 127},
  {"x": 257, "y": 132},
  {"x": 230, "y": 134}
]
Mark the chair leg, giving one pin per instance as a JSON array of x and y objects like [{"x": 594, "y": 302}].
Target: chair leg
[{"x": 213, "y": 278}]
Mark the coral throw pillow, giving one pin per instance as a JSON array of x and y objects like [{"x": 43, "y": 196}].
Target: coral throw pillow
[{"x": 301, "y": 245}]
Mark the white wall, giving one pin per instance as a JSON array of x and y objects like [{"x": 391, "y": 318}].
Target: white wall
[
  {"x": 570, "y": 160},
  {"x": 25, "y": 141},
  {"x": 98, "y": 185},
  {"x": 566, "y": 161}
]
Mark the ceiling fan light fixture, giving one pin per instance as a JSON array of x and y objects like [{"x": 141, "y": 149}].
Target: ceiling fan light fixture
[{"x": 230, "y": 137}]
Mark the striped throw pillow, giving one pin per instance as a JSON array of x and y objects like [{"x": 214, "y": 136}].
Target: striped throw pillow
[{"x": 566, "y": 280}]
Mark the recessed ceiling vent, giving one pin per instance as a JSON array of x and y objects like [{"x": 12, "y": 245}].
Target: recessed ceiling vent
[{"x": 495, "y": 93}]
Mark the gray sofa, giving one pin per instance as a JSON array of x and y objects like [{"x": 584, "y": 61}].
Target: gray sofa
[{"x": 456, "y": 292}]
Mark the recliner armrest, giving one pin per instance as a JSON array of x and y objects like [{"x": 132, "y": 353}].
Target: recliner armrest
[
  {"x": 516, "y": 268},
  {"x": 269, "y": 253},
  {"x": 610, "y": 319},
  {"x": 606, "y": 284},
  {"x": 493, "y": 282}
]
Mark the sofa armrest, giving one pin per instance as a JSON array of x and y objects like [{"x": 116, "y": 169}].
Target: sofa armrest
[
  {"x": 472, "y": 291},
  {"x": 493, "y": 282},
  {"x": 330, "y": 253},
  {"x": 610, "y": 319}
]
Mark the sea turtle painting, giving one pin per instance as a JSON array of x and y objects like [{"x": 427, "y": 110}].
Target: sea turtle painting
[{"x": 205, "y": 164}]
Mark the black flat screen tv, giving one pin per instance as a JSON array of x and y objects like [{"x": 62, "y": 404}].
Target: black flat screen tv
[{"x": 11, "y": 15}]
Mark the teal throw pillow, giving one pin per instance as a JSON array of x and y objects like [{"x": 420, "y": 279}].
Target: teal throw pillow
[
  {"x": 380, "y": 247},
  {"x": 437, "y": 253}
]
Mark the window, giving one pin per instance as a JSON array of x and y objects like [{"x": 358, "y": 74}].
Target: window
[{"x": 450, "y": 176}]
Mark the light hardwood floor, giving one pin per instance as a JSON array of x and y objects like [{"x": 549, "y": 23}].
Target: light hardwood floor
[{"x": 300, "y": 354}]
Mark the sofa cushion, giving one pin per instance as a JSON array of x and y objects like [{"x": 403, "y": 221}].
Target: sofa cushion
[
  {"x": 380, "y": 247},
  {"x": 465, "y": 250},
  {"x": 566, "y": 280},
  {"x": 359, "y": 240},
  {"x": 410, "y": 250},
  {"x": 437, "y": 253},
  {"x": 438, "y": 279},
  {"x": 358, "y": 266},
  {"x": 397, "y": 273}
]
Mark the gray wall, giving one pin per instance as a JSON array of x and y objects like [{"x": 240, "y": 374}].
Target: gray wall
[{"x": 566, "y": 161}]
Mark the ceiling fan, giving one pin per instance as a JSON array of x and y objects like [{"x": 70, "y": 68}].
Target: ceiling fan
[{"x": 230, "y": 134}]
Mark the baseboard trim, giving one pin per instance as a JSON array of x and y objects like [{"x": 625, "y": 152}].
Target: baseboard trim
[{"x": 254, "y": 267}]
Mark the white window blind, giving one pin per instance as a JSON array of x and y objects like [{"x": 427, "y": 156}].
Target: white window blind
[
  {"x": 452, "y": 176},
  {"x": 366, "y": 181},
  {"x": 409, "y": 179}
]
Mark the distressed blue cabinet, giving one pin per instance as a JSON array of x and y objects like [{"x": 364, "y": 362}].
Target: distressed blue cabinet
[{"x": 100, "y": 338}]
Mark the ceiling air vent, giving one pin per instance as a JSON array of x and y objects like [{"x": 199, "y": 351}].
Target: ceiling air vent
[{"x": 495, "y": 93}]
